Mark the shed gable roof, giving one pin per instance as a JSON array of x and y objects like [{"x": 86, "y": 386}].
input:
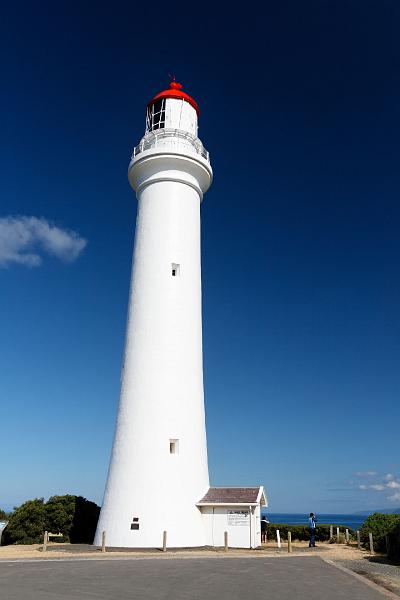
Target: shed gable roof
[{"x": 233, "y": 495}]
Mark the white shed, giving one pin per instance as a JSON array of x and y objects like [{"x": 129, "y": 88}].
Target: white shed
[{"x": 236, "y": 510}]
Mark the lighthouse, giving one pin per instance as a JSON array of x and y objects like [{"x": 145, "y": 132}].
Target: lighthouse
[
  {"x": 158, "y": 485},
  {"x": 158, "y": 469}
]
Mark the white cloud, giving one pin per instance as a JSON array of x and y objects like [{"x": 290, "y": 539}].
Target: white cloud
[
  {"x": 366, "y": 473},
  {"x": 362, "y": 487},
  {"x": 24, "y": 239},
  {"x": 377, "y": 486},
  {"x": 394, "y": 485},
  {"x": 388, "y": 477},
  {"x": 395, "y": 497}
]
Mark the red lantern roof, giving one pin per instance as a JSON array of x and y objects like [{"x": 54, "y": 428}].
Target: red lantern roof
[{"x": 175, "y": 91}]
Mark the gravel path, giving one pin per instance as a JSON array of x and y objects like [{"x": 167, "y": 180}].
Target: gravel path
[
  {"x": 370, "y": 566},
  {"x": 376, "y": 570}
]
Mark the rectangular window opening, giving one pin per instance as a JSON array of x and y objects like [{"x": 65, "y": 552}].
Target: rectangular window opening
[
  {"x": 175, "y": 269},
  {"x": 174, "y": 446}
]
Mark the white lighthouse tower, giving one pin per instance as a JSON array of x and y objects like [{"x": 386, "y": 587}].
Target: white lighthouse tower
[{"x": 158, "y": 469}]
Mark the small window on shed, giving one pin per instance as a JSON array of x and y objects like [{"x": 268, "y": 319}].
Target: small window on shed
[
  {"x": 174, "y": 446},
  {"x": 175, "y": 270}
]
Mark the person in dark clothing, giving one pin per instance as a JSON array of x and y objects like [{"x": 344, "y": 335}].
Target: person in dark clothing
[
  {"x": 311, "y": 523},
  {"x": 264, "y": 524}
]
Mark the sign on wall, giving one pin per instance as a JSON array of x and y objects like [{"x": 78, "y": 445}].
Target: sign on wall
[{"x": 238, "y": 518}]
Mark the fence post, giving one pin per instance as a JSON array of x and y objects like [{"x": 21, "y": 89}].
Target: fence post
[
  {"x": 338, "y": 535},
  {"x": 164, "y": 541},
  {"x": 371, "y": 544},
  {"x": 358, "y": 540},
  {"x": 347, "y": 537},
  {"x": 226, "y": 541},
  {"x": 278, "y": 538},
  {"x": 103, "y": 541},
  {"x": 45, "y": 540},
  {"x": 289, "y": 541},
  {"x": 331, "y": 532}
]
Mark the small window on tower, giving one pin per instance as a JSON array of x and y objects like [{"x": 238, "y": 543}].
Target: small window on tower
[
  {"x": 175, "y": 270},
  {"x": 174, "y": 446}
]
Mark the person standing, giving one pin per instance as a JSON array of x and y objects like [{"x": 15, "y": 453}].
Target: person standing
[
  {"x": 264, "y": 525},
  {"x": 311, "y": 523}
]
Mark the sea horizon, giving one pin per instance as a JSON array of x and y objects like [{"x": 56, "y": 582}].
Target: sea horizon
[{"x": 352, "y": 521}]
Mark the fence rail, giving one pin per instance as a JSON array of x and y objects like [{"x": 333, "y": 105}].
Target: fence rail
[{"x": 171, "y": 139}]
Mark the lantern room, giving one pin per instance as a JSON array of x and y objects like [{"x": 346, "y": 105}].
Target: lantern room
[{"x": 172, "y": 109}]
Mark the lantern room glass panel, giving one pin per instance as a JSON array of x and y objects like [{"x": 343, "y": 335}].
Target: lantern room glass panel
[{"x": 156, "y": 115}]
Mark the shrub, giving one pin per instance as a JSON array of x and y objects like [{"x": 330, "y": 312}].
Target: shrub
[
  {"x": 84, "y": 522},
  {"x": 60, "y": 514},
  {"x": 379, "y": 525},
  {"x": 73, "y": 516},
  {"x": 26, "y": 524},
  {"x": 302, "y": 532},
  {"x": 394, "y": 544},
  {"x": 342, "y": 537}
]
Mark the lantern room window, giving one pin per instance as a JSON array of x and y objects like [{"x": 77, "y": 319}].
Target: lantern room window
[{"x": 156, "y": 115}]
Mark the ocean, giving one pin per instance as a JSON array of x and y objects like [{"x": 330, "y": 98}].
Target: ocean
[{"x": 353, "y": 521}]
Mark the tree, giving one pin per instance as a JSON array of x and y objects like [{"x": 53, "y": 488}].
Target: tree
[
  {"x": 60, "y": 512},
  {"x": 26, "y": 524},
  {"x": 73, "y": 516},
  {"x": 84, "y": 522},
  {"x": 3, "y": 515}
]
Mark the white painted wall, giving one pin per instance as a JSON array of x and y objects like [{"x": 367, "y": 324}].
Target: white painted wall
[
  {"x": 179, "y": 114},
  {"x": 256, "y": 529},
  {"x": 162, "y": 377},
  {"x": 244, "y": 530}
]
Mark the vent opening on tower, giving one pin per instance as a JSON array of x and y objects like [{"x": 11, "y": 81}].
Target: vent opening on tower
[
  {"x": 174, "y": 446},
  {"x": 135, "y": 523},
  {"x": 175, "y": 270}
]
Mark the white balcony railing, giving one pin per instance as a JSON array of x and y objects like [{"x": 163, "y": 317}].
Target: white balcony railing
[{"x": 172, "y": 140}]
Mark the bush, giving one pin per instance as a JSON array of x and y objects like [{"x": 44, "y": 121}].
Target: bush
[
  {"x": 342, "y": 537},
  {"x": 4, "y": 516},
  {"x": 302, "y": 532},
  {"x": 60, "y": 514},
  {"x": 84, "y": 522},
  {"x": 26, "y": 524},
  {"x": 379, "y": 525},
  {"x": 73, "y": 516},
  {"x": 394, "y": 544}
]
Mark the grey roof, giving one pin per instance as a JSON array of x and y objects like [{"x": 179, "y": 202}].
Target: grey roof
[{"x": 232, "y": 495}]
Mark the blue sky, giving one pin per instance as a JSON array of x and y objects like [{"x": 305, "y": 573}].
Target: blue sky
[{"x": 300, "y": 111}]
